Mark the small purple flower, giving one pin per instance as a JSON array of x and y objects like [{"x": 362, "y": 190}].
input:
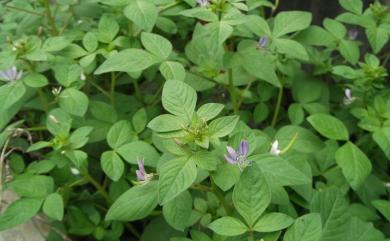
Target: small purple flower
[
  {"x": 11, "y": 74},
  {"x": 353, "y": 34},
  {"x": 238, "y": 157},
  {"x": 142, "y": 176},
  {"x": 262, "y": 42},
  {"x": 202, "y": 3}
]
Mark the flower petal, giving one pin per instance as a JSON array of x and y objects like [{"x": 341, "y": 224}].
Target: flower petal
[
  {"x": 232, "y": 152},
  {"x": 244, "y": 148},
  {"x": 229, "y": 159}
]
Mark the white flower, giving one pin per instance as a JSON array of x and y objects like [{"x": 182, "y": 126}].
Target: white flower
[
  {"x": 79, "y": 21},
  {"x": 11, "y": 74},
  {"x": 14, "y": 48},
  {"x": 202, "y": 3},
  {"x": 82, "y": 76},
  {"x": 74, "y": 171},
  {"x": 56, "y": 91},
  {"x": 348, "y": 98},
  {"x": 275, "y": 148}
]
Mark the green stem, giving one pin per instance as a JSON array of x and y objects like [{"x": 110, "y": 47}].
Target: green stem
[
  {"x": 50, "y": 18},
  {"x": 134, "y": 231},
  {"x": 251, "y": 236},
  {"x": 43, "y": 100},
  {"x": 97, "y": 185},
  {"x": 232, "y": 92},
  {"x": 137, "y": 90},
  {"x": 275, "y": 7},
  {"x": 220, "y": 197},
  {"x": 112, "y": 89},
  {"x": 99, "y": 88},
  {"x": 37, "y": 128},
  {"x": 25, "y": 10},
  {"x": 277, "y": 107}
]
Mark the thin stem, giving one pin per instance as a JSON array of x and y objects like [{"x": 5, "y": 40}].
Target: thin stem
[
  {"x": 137, "y": 90},
  {"x": 220, "y": 197},
  {"x": 275, "y": 7},
  {"x": 97, "y": 185},
  {"x": 50, "y": 18},
  {"x": 37, "y": 128},
  {"x": 43, "y": 100},
  {"x": 99, "y": 88},
  {"x": 112, "y": 89},
  {"x": 2, "y": 158},
  {"x": 250, "y": 236},
  {"x": 232, "y": 92},
  {"x": 277, "y": 107},
  {"x": 25, "y": 10},
  {"x": 241, "y": 99},
  {"x": 134, "y": 231}
]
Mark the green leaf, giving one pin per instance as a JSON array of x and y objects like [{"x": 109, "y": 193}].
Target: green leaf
[
  {"x": 129, "y": 60},
  {"x": 291, "y": 48},
  {"x": 350, "y": 51},
  {"x": 74, "y": 102},
  {"x": 382, "y": 138},
  {"x": 136, "y": 150},
  {"x": 177, "y": 212},
  {"x": 355, "y": 6},
  {"x": 226, "y": 176},
  {"x": 333, "y": 208},
  {"x": 383, "y": 207},
  {"x": 139, "y": 120},
  {"x": 258, "y": 25},
  {"x": 54, "y": 206},
  {"x": 306, "y": 141},
  {"x": 205, "y": 160},
  {"x": 354, "y": 163},
  {"x": 157, "y": 45},
  {"x": 90, "y": 42},
  {"x": 209, "y": 111},
  {"x": 119, "y": 134},
  {"x": 175, "y": 176},
  {"x": 359, "y": 230},
  {"x": 179, "y": 99},
  {"x": 108, "y": 28},
  {"x": 67, "y": 74},
  {"x": 35, "y": 186},
  {"x": 19, "y": 212},
  {"x": 258, "y": 65},
  {"x": 167, "y": 122},
  {"x": 35, "y": 80},
  {"x": 291, "y": 21},
  {"x": 80, "y": 137},
  {"x": 329, "y": 126},
  {"x": 112, "y": 165},
  {"x": 10, "y": 94},
  {"x": 142, "y": 13},
  {"x": 336, "y": 28},
  {"x": 136, "y": 203},
  {"x": 377, "y": 36},
  {"x": 228, "y": 226},
  {"x": 306, "y": 228},
  {"x": 281, "y": 170},
  {"x": 296, "y": 114},
  {"x": 219, "y": 31},
  {"x": 54, "y": 44},
  {"x": 203, "y": 14},
  {"x": 173, "y": 70},
  {"x": 223, "y": 126},
  {"x": 272, "y": 222},
  {"x": 251, "y": 194}
]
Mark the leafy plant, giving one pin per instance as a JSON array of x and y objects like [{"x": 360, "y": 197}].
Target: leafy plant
[{"x": 204, "y": 120}]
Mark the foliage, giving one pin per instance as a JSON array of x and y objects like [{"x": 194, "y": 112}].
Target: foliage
[{"x": 207, "y": 120}]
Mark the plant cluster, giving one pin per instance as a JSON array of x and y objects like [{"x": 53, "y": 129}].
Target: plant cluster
[{"x": 202, "y": 120}]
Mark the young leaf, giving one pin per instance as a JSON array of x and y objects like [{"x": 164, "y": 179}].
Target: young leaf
[
  {"x": 251, "y": 195},
  {"x": 354, "y": 163},
  {"x": 272, "y": 222},
  {"x": 355, "y": 6},
  {"x": 209, "y": 111},
  {"x": 306, "y": 228},
  {"x": 19, "y": 212},
  {"x": 175, "y": 176},
  {"x": 167, "y": 122},
  {"x": 228, "y": 226},
  {"x": 112, "y": 165},
  {"x": 173, "y": 70},
  {"x": 142, "y": 13},
  {"x": 74, "y": 101},
  {"x": 108, "y": 29},
  {"x": 139, "y": 120},
  {"x": 90, "y": 42},
  {"x": 157, "y": 45},
  {"x": 54, "y": 206},
  {"x": 177, "y": 212},
  {"x": 136, "y": 150},
  {"x": 35, "y": 80},
  {"x": 291, "y": 48},
  {"x": 291, "y": 21},
  {"x": 119, "y": 134},
  {"x": 329, "y": 126},
  {"x": 223, "y": 126},
  {"x": 179, "y": 99},
  {"x": 128, "y": 60},
  {"x": 134, "y": 204}
]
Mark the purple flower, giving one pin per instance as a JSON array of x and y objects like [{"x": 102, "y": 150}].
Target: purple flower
[
  {"x": 353, "y": 34},
  {"x": 238, "y": 156},
  {"x": 262, "y": 42},
  {"x": 11, "y": 74},
  {"x": 142, "y": 176},
  {"x": 202, "y": 3}
]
